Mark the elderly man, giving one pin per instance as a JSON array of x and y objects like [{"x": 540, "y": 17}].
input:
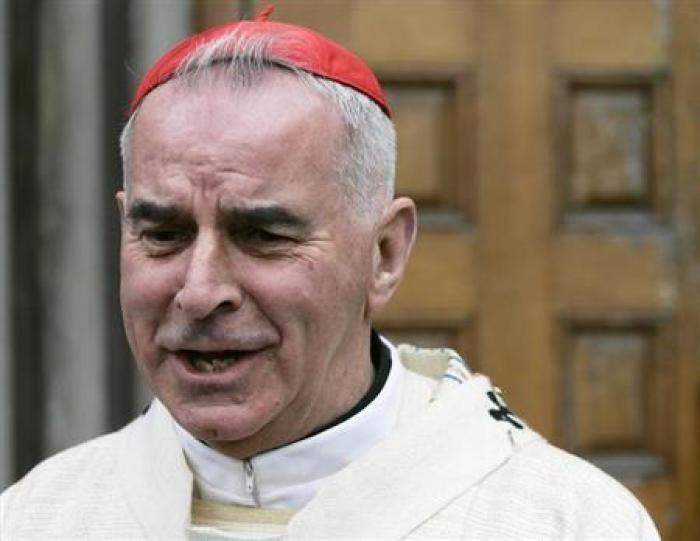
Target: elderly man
[{"x": 260, "y": 236}]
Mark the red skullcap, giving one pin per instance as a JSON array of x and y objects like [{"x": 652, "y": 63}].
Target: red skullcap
[{"x": 302, "y": 48}]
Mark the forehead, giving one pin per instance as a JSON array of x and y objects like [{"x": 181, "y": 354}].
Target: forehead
[
  {"x": 276, "y": 129},
  {"x": 271, "y": 90}
]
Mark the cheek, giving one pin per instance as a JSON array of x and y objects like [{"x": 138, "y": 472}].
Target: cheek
[
  {"x": 285, "y": 291},
  {"x": 146, "y": 291},
  {"x": 288, "y": 293},
  {"x": 311, "y": 296}
]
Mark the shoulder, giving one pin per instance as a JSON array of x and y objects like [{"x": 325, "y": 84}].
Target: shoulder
[
  {"x": 64, "y": 488},
  {"x": 544, "y": 485},
  {"x": 563, "y": 477},
  {"x": 537, "y": 490},
  {"x": 75, "y": 463}
]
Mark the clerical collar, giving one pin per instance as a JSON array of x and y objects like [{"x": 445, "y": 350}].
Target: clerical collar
[
  {"x": 289, "y": 476},
  {"x": 380, "y": 354}
]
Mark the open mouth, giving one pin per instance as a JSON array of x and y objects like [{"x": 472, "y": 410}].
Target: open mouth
[{"x": 212, "y": 361}]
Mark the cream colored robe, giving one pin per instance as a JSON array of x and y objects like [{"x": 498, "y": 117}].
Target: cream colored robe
[{"x": 455, "y": 467}]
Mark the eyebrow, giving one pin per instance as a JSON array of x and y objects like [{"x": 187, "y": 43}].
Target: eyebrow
[
  {"x": 149, "y": 211},
  {"x": 253, "y": 217},
  {"x": 264, "y": 216}
]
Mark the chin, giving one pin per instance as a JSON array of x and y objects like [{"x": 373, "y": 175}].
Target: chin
[{"x": 218, "y": 423}]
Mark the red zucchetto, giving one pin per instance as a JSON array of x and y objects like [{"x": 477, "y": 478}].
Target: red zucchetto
[{"x": 300, "y": 47}]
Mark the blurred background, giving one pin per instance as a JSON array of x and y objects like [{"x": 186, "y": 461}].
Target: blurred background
[{"x": 553, "y": 148}]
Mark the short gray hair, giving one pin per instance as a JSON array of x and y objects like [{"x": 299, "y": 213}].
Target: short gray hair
[{"x": 365, "y": 162}]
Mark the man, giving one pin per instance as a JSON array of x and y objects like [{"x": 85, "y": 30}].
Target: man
[{"x": 260, "y": 236}]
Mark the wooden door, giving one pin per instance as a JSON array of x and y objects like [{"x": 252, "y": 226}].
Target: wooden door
[{"x": 552, "y": 147}]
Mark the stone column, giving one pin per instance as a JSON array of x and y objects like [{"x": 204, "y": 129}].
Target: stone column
[
  {"x": 5, "y": 375},
  {"x": 71, "y": 235}
]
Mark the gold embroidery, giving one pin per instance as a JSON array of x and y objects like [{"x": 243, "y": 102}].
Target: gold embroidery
[{"x": 211, "y": 513}]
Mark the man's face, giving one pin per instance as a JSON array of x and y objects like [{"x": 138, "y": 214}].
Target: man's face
[{"x": 244, "y": 273}]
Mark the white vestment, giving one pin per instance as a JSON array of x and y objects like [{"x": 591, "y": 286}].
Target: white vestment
[{"x": 458, "y": 465}]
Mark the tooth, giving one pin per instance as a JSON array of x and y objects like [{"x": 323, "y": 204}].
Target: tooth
[
  {"x": 212, "y": 364},
  {"x": 202, "y": 365}
]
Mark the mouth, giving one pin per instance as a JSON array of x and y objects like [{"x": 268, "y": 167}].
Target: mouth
[{"x": 212, "y": 361}]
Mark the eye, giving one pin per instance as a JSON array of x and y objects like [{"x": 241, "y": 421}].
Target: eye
[
  {"x": 263, "y": 240},
  {"x": 265, "y": 237},
  {"x": 162, "y": 240}
]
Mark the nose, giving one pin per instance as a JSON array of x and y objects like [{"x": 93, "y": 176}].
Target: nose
[{"x": 209, "y": 284}]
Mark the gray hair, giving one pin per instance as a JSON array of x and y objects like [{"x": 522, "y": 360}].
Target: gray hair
[{"x": 365, "y": 161}]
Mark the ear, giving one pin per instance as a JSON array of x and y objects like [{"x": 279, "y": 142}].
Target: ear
[{"x": 395, "y": 237}]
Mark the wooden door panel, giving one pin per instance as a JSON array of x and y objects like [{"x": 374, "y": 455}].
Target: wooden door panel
[
  {"x": 424, "y": 115},
  {"x": 614, "y": 144},
  {"x": 616, "y": 393},
  {"x": 609, "y": 379},
  {"x": 434, "y": 113},
  {"x": 612, "y": 34},
  {"x": 614, "y": 273},
  {"x": 609, "y": 139},
  {"x": 431, "y": 33}
]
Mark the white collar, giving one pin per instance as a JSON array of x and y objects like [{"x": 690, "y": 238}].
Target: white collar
[{"x": 290, "y": 476}]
